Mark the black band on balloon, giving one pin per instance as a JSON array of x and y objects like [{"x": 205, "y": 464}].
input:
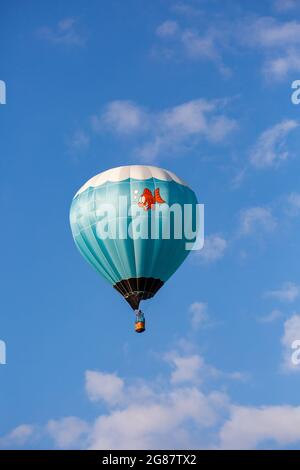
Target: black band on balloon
[{"x": 136, "y": 289}]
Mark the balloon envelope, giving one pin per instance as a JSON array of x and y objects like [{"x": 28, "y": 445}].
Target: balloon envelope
[{"x": 117, "y": 221}]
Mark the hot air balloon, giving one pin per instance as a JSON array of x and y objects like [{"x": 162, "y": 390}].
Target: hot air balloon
[{"x": 118, "y": 221}]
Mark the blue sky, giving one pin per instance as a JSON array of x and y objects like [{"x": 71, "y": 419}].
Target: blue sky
[{"x": 202, "y": 88}]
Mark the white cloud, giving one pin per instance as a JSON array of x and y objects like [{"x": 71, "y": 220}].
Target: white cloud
[
  {"x": 165, "y": 412},
  {"x": 285, "y": 5},
  {"x": 185, "y": 9},
  {"x": 278, "y": 42},
  {"x": 192, "y": 44},
  {"x": 184, "y": 125},
  {"x": 102, "y": 386},
  {"x": 270, "y": 317},
  {"x": 239, "y": 177},
  {"x": 239, "y": 376},
  {"x": 66, "y": 32},
  {"x": 288, "y": 292},
  {"x": 79, "y": 141},
  {"x": 187, "y": 118},
  {"x": 18, "y": 436},
  {"x": 121, "y": 117},
  {"x": 220, "y": 127},
  {"x": 256, "y": 219},
  {"x": 249, "y": 427},
  {"x": 67, "y": 432},
  {"x": 175, "y": 414},
  {"x": 267, "y": 32},
  {"x": 279, "y": 67},
  {"x": 186, "y": 368},
  {"x": 167, "y": 28},
  {"x": 199, "y": 314},
  {"x": 183, "y": 417},
  {"x": 293, "y": 201},
  {"x": 163, "y": 423},
  {"x": 193, "y": 369},
  {"x": 199, "y": 47},
  {"x": 168, "y": 131},
  {"x": 214, "y": 249},
  {"x": 291, "y": 333},
  {"x": 270, "y": 148},
  {"x": 153, "y": 414}
]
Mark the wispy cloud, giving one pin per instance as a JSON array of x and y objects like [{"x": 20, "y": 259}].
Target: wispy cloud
[
  {"x": 78, "y": 142},
  {"x": 199, "y": 314},
  {"x": 275, "y": 40},
  {"x": 122, "y": 118},
  {"x": 18, "y": 436},
  {"x": 268, "y": 152},
  {"x": 214, "y": 249},
  {"x": 269, "y": 32},
  {"x": 285, "y": 5},
  {"x": 270, "y": 148},
  {"x": 170, "y": 130},
  {"x": 66, "y": 32},
  {"x": 187, "y": 10},
  {"x": 167, "y": 29},
  {"x": 282, "y": 66},
  {"x": 288, "y": 292},
  {"x": 205, "y": 44},
  {"x": 67, "y": 432},
  {"x": 278, "y": 42},
  {"x": 255, "y": 220},
  {"x": 270, "y": 317},
  {"x": 293, "y": 204}
]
